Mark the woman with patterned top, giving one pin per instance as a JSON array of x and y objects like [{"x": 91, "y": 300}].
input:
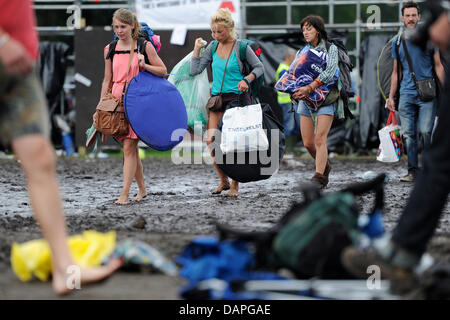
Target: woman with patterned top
[{"x": 314, "y": 136}]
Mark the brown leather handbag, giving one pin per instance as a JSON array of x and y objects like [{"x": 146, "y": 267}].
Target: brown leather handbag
[
  {"x": 109, "y": 117},
  {"x": 215, "y": 102}
]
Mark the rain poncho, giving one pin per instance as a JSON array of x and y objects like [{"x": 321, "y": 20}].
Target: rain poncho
[{"x": 307, "y": 66}]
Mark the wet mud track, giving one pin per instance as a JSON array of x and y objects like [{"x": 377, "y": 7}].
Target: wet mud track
[{"x": 179, "y": 207}]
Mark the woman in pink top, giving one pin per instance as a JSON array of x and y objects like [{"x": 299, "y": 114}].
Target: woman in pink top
[{"x": 126, "y": 27}]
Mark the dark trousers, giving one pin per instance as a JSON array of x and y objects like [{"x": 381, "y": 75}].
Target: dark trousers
[{"x": 431, "y": 188}]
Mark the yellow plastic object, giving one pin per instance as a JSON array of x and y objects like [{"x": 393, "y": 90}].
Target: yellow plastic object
[
  {"x": 34, "y": 257},
  {"x": 141, "y": 153}
]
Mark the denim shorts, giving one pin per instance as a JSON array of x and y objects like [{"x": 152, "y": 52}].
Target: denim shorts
[{"x": 303, "y": 110}]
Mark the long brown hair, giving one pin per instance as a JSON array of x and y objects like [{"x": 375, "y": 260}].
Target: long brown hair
[
  {"x": 128, "y": 17},
  {"x": 318, "y": 24}
]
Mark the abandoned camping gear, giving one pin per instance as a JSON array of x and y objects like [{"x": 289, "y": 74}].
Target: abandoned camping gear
[
  {"x": 309, "y": 238},
  {"x": 140, "y": 256},
  {"x": 34, "y": 258},
  {"x": 208, "y": 259}
]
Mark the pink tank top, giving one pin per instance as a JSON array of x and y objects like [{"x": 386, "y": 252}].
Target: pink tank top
[{"x": 120, "y": 65}]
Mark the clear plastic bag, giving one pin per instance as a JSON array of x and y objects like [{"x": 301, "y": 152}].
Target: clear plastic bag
[{"x": 195, "y": 91}]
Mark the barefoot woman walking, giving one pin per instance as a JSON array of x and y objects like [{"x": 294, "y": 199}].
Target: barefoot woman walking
[{"x": 126, "y": 27}]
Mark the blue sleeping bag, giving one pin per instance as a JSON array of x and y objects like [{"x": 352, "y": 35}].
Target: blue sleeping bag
[{"x": 156, "y": 111}]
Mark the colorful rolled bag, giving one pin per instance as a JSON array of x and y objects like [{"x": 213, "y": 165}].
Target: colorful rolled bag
[{"x": 307, "y": 66}]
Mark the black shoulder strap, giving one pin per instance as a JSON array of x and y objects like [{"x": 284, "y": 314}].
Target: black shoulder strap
[
  {"x": 399, "y": 62},
  {"x": 327, "y": 45},
  {"x": 408, "y": 58},
  {"x": 112, "y": 50},
  {"x": 142, "y": 44}
]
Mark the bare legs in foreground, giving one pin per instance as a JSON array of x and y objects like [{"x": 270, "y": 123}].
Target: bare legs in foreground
[
  {"x": 38, "y": 161},
  {"x": 132, "y": 168},
  {"x": 213, "y": 122}
]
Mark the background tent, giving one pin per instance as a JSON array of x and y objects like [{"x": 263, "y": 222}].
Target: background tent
[
  {"x": 372, "y": 113},
  {"x": 52, "y": 71}
]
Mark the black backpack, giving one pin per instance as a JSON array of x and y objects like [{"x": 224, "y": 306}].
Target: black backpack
[
  {"x": 146, "y": 34},
  {"x": 345, "y": 68},
  {"x": 141, "y": 42}
]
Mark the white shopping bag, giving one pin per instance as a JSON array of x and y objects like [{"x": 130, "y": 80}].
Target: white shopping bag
[
  {"x": 242, "y": 130},
  {"x": 391, "y": 147}
]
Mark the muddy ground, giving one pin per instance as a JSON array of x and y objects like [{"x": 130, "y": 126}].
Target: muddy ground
[{"x": 178, "y": 208}]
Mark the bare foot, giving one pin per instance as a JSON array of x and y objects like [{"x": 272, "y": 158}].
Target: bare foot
[
  {"x": 122, "y": 200},
  {"x": 140, "y": 196},
  {"x": 62, "y": 281},
  {"x": 222, "y": 186},
  {"x": 232, "y": 193}
]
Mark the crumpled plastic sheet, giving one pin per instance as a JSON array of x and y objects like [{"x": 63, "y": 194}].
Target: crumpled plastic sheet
[
  {"x": 33, "y": 258},
  {"x": 139, "y": 255}
]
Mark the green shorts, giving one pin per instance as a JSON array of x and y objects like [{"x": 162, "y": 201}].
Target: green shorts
[{"x": 23, "y": 107}]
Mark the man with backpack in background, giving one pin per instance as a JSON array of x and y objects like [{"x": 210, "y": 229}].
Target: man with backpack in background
[
  {"x": 416, "y": 103},
  {"x": 24, "y": 123},
  {"x": 401, "y": 254},
  {"x": 284, "y": 100}
]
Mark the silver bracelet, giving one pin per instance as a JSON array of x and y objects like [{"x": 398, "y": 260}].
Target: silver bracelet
[{"x": 4, "y": 39}]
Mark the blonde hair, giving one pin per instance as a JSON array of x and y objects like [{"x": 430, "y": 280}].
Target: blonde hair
[
  {"x": 224, "y": 18},
  {"x": 126, "y": 16}
]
